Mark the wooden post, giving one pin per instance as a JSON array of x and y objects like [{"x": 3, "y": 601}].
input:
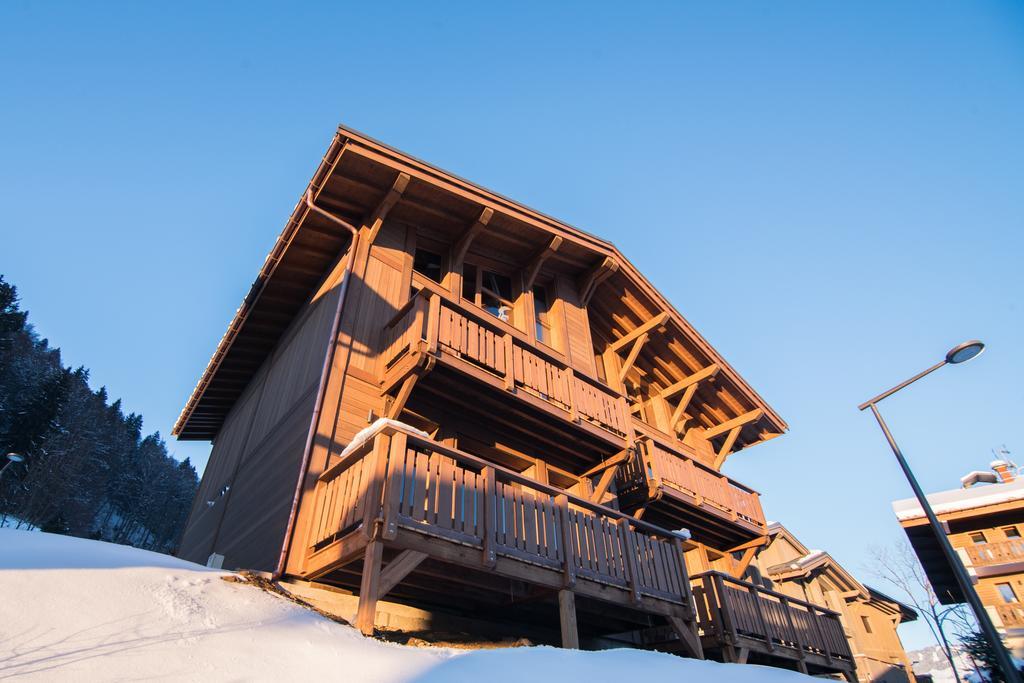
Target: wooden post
[
  {"x": 377, "y": 466},
  {"x": 567, "y": 617},
  {"x": 433, "y": 323},
  {"x": 369, "y": 588},
  {"x": 490, "y": 557},
  {"x": 391, "y": 498},
  {"x": 568, "y": 554},
  {"x": 574, "y": 414},
  {"x": 629, "y": 549},
  {"x": 510, "y": 370},
  {"x": 723, "y": 607}
]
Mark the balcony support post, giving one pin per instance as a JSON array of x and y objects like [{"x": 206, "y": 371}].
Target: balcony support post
[
  {"x": 687, "y": 633},
  {"x": 369, "y": 587},
  {"x": 567, "y": 618}
]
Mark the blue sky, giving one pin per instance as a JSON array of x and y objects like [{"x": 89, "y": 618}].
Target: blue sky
[{"x": 831, "y": 192}]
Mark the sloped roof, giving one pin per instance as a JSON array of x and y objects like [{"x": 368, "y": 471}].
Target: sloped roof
[{"x": 308, "y": 245}]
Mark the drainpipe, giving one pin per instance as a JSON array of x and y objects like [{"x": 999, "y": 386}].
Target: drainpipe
[{"x": 322, "y": 389}]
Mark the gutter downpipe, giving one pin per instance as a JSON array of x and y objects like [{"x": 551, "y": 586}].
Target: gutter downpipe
[{"x": 325, "y": 371}]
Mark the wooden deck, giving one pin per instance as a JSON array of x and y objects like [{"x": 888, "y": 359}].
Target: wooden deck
[
  {"x": 669, "y": 481},
  {"x": 409, "y": 494},
  {"x": 743, "y": 621},
  {"x": 485, "y": 348}
]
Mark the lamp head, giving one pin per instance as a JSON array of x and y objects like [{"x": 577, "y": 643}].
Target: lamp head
[
  {"x": 961, "y": 353},
  {"x": 15, "y": 457}
]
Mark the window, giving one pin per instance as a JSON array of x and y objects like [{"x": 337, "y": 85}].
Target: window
[
  {"x": 977, "y": 538},
  {"x": 1006, "y": 592},
  {"x": 542, "y": 314},
  {"x": 428, "y": 264},
  {"x": 489, "y": 290},
  {"x": 867, "y": 624},
  {"x": 1011, "y": 532}
]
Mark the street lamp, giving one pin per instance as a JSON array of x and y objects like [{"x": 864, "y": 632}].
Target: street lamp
[
  {"x": 11, "y": 459},
  {"x": 958, "y": 354}
]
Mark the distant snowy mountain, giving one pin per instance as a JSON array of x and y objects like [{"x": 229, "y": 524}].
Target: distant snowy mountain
[
  {"x": 930, "y": 660},
  {"x": 79, "y": 610}
]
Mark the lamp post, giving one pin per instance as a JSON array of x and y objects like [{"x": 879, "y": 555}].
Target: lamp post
[
  {"x": 958, "y": 354},
  {"x": 11, "y": 459}
]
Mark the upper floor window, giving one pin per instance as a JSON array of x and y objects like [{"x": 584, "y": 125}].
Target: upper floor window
[
  {"x": 489, "y": 290},
  {"x": 977, "y": 538},
  {"x": 867, "y": 624},
  {"x": 542, "y": 315},
  {"x": 1011, "y": 532},
  {"x": 1006, "y": 592},
  {"x": 428, "y": 264}
]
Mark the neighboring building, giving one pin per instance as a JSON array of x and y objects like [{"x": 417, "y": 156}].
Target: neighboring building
[
  {"x": 549, "y": 419},
  {"x": 786, "y": 573},
  {"x": 984, "y": 520}
]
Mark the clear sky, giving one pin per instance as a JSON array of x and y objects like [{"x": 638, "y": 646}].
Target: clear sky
[{"x": 831, "y": 192}]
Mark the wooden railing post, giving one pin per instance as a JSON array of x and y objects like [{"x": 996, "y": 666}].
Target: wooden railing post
[
  {"x": 574, "y": 414},
  {"x": 490, "y": 502},
  {"x": 393, "y": 486},
  {"x": 724, "y": 609},
  {"x": 433, "y": 323},
  {"x": 629, "y": 550},
  {"x": 376, "y": 467},
  {"x": 510, "y": 368},
  {"x": 568, "y": 554}
]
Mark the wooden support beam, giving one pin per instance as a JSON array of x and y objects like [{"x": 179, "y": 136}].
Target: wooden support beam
[
  {"x": 727, "y": 445},
  {"x": 602, "y": 485},
  {"x": 657, "y": 323},
  {"x": 617, "y": 459},
  {"x": 533, "y": 267},
  {"x": 633, "y": 353},
  {"x": 398, "y": 569},
  {"x": 684, "y": 403},
  {"x": 598, "y": 274},
  {"x": 395, "y": 409},
  {"x": 462, "y": 246},
  {"x": 687, "y": 636},
  {"x": 369, "y": 588},
  {"x": 739, "y": 567},
  {"x": 567, "y": 619},
  {"x": 743, "y": 419},
  {"x": 700, "y": 375},
  {"x": 384, "y": 208}
]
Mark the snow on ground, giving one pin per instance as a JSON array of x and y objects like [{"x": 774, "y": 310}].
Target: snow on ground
[{"x": 79, "y": 610}]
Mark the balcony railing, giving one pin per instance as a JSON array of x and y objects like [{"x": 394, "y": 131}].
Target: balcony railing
[
  {"x": 1000, "y": 552},
  {"x": 409, "y": 483},
  {"x": 659, "y": 465},
  {"x": 1011, "y": 614},
  {"x": 739, "y": 613},
  {"x": 470, "y": 335}
]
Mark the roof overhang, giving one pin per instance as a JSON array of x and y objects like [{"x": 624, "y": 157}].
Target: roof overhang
[{"x": 350, "y": 181}]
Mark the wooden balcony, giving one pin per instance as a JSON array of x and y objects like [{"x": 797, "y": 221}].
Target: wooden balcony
[
  {"x": 677, "y": 489},
  {"x": 414, "y": 495},
  {"x": 745, "y": 622},
  {"x": 1000, "y": 553},
  {"x": 1011, "y": 614},
  {"x": 474, "y": 343}
]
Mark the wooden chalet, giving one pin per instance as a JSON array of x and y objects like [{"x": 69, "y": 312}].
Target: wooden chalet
[
  {"x": 985, "y": 522},
  {"x": 435, "y": 396}
]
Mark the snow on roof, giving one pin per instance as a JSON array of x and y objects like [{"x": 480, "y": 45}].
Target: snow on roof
[{"x": 957, "y": 500}]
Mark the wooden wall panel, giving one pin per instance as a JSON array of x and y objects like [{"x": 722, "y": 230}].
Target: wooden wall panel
[
  {"x": 376, "y": 297},
  {"x": 258, "y": 450},
  {"x": 580, "y": 347},
  {"x": 359, "y": 398}
]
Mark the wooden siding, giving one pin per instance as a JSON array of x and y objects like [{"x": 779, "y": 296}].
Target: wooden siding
[{"x": 258, "y": 451}]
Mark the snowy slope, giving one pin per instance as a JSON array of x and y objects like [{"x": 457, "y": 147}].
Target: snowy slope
[{"x": 78, "y": 610}]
